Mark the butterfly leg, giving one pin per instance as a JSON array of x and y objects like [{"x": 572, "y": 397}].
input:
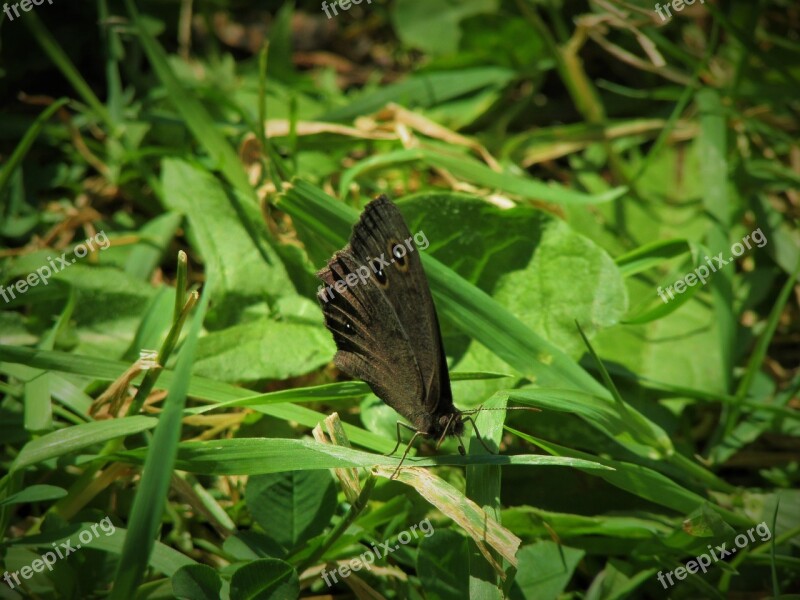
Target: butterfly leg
[
  {"x": 444, "y": 431},
  {"x": 477, "y": 434},
  {"x": 397, "y": 445},
  {"x": 416, "y": 434},
  {"x": 461, "y": 450}
]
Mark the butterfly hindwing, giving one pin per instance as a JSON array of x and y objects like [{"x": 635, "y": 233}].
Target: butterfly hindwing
[
  {"x": 381, "y": 233},
  {"x": 386, "y": 327},
  {"x": 370, "y": 347}
]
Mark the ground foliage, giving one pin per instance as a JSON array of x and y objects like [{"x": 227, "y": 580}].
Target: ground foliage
[{"x": 568, "y": 163}]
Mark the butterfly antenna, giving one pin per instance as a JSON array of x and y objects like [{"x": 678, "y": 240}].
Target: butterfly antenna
[{"x": 472, "y": 411}]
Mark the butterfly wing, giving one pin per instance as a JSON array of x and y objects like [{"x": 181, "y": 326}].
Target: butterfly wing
[
  {"x": 372, "y": 344},
  {"x": 398, "y": 289}
]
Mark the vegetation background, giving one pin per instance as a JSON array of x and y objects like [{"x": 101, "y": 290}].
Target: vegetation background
[{"x": 566, "y": 159}]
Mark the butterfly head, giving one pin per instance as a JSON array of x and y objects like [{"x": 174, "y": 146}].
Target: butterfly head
[{"x": 447, "y": 424}]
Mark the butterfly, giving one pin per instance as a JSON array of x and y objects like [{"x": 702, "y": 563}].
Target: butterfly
[{"x": 377, "y": 304}]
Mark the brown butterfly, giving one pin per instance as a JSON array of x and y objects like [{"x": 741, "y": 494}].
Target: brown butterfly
[{"x": 379, "y": 308}]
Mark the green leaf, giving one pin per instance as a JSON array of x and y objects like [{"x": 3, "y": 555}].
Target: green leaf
[
  {"x": 163, "y": 559},
  {"x": 71, "y": 439},
  {"x": 484, "y": 488},
  {"x": 433, "y": 26},
  {"x": 109, "y": 305},
  {"x": 531, "y": 522},
  {"x": 622, "y": 423},
  {"x": 265, "y": 579},
  {"x": 292, "y": 507},
  {"x": 25, "y": 143},
  {"x": 423, "y": 89},
  {"x": 545, "y": 569},
  {"x": 442, "y": 565},
  {"x": 651, "y": 255},
  {"x": 204, "y": 389},
  {"x": 233, "y": 247},
  {"x": 469, "y": 169},
  {"x": 705, "y": 523},
  {"x": 154, "y": 239},
  {"x": 522, "y": 257},
  {"x": 196, "y": 582},
  {"x": 264, "y": 349},
  {"x": 35, "y": 493},
  {"x": 638, "y": 480},
  {"x": 255, "y": 456}
]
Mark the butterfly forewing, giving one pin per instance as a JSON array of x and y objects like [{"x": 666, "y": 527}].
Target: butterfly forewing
[
  {"x": 381, "y": 232},
  {"x": 386, "y": 327},
  {"x": 371, "y": 347}
]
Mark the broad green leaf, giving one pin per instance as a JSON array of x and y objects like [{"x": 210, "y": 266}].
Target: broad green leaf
[
  {"x": 291, "y": 507},
  {"x": 247, "y": 269},
  {"x": 523, "y": 258},
  {"x": 545, "y": 569},
  {"x": 434, "y": 25},
  {"x": 109, "y": 305},
  {"x": 250, "y": 544},
  {"x": 265, "y": 579},
  {"x": 196, "y": 582},
  {"x": 656, "y": 350},
  {"x": 263, "y": 349}
]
